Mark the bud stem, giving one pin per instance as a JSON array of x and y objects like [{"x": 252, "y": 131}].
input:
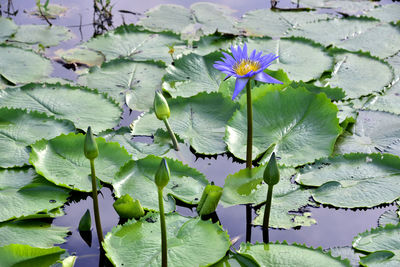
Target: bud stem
[
  {"x": 266, "y": 214},
  {"x": 96, "y": 204},
  {"x": 171, "y": 133},
  {"x": 249, "y": 163},
  {"x": 164, "y": 259}
]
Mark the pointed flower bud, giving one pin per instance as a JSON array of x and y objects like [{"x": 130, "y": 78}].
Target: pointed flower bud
[
  {"x": 86, "y": 222},
  {"x": 271, "y": 173},
  {"x": 128, "y": 208},
  {"x": 90, "y": 147},
  {"x": 162, "y": 175},
  {"x": 161, "y": 107},
  {"x": 209, "y": 200}
]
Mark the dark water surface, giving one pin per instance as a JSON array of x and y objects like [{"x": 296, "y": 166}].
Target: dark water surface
[{"x": 334, "y": 227}]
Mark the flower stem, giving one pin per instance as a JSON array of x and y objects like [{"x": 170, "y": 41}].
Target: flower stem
[
  {"x": 171, "y": 133},
  {"x": 96, "y": 204},
  {"x": 164, "y": 259},
  {"x": 249, "y": 127},
  {"x": 266, "y": 214}
]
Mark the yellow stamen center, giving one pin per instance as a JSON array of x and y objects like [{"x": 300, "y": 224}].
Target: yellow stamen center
[{"x": 245, "y": 66}]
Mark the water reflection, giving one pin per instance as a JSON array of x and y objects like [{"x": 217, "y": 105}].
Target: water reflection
[
  {"x": 102, "y": 16},
  {"x": 9, "y": 9}
]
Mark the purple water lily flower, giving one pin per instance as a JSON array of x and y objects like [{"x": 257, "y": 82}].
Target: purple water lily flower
[{"x": 245, "y": 68}]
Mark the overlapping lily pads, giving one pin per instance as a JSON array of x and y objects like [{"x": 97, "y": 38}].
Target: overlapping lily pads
[
  {"x": 282, "y": 254},
  {"x": 348, "y": 7},
  {"x": 354, "y": 180},
  {"x": 191, "y": 242},
  {"x": 388, "y": 102},
  {"x": 136, "y": 178},
  {"x": 298, "y": 125},
  {"x": 386, "y": 13},
  {"x": 374, "y": 131},
  {"x": 62, "y": 161},
  {"x": 128, "y": 41},
  {"x": 13, "y": 60},
  {"x": 126, "y": 81},
  {"x": 80, "y": 105},
  {"x": 202, "y": 19},
  {"x": 20, "y": 188},
  {"x": 20, "y": 128},
  {"x": 200, "y": 120}
]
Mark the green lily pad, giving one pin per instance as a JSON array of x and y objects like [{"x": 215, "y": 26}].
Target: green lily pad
[
  {"x": 53, "y": 11},
  {"x": 19, "y": 129},
  {"x": 7, "y": 28},
  {"x": 385, "y": 13},
  {"x": 206, "y": 45},
  {"x": 61, "y": 160},
  {"x": 161, "y": 143},
  {"x": 389, "y": 217},
  {"x": 200, "y": 119},
  {"x": 387, "y": 102},
  {"x": 19, "y": 188},
  {"x": 367, "y": 135},
  {"x": 299, "y": 58},
  {"x": 348, "y": 7},
  {"x": 394, "y": 61},
  {"x": 14, "y": 60},
  {"x": 136, "y": 178},
  {"x": 192, "y": 74},
  {"x": 384, "y": 244},
  {"x": 80, "y": 56},
  {"x": 202, "y": 19},
  {"x": 191, "y": 242},
  {"x": 128, "y": 41},
  {"x": 354, "y": 180},
  {"x": 357, "y": 73},
  {"x": 298, "y": 125},
  {"x": 31, "y": 232},
  {"x": 246, "y": 187},
  {"x": 334, "y": 94},
  {"x": 80, "y": 105},
  {"x": 346, "y": 253},
  {"x": 339, "y": 29},
  {"x": 42, "y": 34},
  {"x": 289, "y": 255},
  {"x": 126, "y": 81},
  {"x": 235, "y": 260},
  {"x": 265, "y": 22},
  {"x": 24, "y": 255}
]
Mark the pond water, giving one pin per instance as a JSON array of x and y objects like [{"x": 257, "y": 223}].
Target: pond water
[{"x": 335, "y": 227}]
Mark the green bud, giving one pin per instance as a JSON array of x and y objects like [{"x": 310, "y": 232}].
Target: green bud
[
  {"x": 86, "y": 222},
  {"x": 161, "y": 107},
  {"x": 209, "y": 200},
  {"x": 128, "y": 208},
  {"x": 90, "y": 147},
  {"x": 162, "y": 175},
  {"x": 271, "y": 173}
]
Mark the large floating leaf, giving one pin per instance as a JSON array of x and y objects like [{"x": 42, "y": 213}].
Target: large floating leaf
[
  {"x": 31, "y": 232},
  {"x": 202, "y": 19},
  {"x": 246, "y": 187},
  {"x": 346, "y": 253},
  {"x": 386, "y": 13},
  {"x": 348, "y": 7},
  {"x": 81, "y": 106},
  {"x": 394, "y": 61},
  {"x": 200, "y": 119},
  {"x": 136, "y": 178},
  {"x": 192, "y": 74},
  {"x": 62, "y": 161},
  {"x": 298, "y": 125},
  {"x": 265, "y": 22},
  {"x": 289, "y": 255},
  {"x": 334, "y": 94},
  {"x": 354, "y": 180},
  {"x": 191, "y": 242},
  {"x": 20, "y": 128},
  {"x": 7, "y": 28},
  {"x": 300, "y": 59},
  {"x": 128, "y": 41},
  {"x": 80, "y": 56},
  {"x": 42, "y": 34},
  {"x": 389, "y": 217},
  {"x": 356, "y": 74},
  {"x": 374, "y": 131},
  {"x": 126, "y": 81},
  {"x": 23, "y": 192},
  {"x": 22, "y": 66},
  {"x": 339, "y": 30},
  {"x": 388, "y": 102},
  {"x": 161, "y": 143},
  {"x": 383, "y": 242}
]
